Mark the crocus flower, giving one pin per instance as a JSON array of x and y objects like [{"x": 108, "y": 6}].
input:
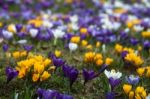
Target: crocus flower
[
  {"x": 51, "y": 94},
  {"x": 114, "y": 78},
  {"x": 114, "y": 82},
  {"x": 33, "y": 32},
  {"x": 73, "y": 46},
  {"x": 123, "y": 54},
  {"x": 88, "y": 75},
  {"x": 58, "y": 33},
  {"x": 23, "y": 41},
  {"x": 58, "y": 61},
  {"x": 134, "y": 41},
  {"x": 146, "y": 45},
  {"x": 7, "y": 34},
  {"x": 5, "y": 47},
  {"x": 110, "y": 95},
  {"x": 10, "y": 73},
  {"x": 28, "y": 47},
  {"x": 19, "y": 27},
  {"x": 133, "y": 79},
  {"x": 71, "y": 73}
]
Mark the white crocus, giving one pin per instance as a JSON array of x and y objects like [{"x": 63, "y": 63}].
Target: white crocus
[
  {"x": 58, "y": 33},
  {"x": 113, "y": 74},
  {"x": 73, "y": 46},
  {"x": 47, "y": 24},
  {"x": 7, "y": 34},
  {"x": 33, "y": 32},
  {"x": 74, "y": 19},
  {"x": 138, "y": 28},
  {"x": 22, "y": 41}
]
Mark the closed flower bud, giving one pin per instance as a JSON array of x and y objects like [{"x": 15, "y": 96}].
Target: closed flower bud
[{"x": 127, "y": 88}]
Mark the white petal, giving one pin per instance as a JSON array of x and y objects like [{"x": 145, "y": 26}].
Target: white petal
[
  {"x": 33, "y": 32},
  {"x": 73, "y": 46}
]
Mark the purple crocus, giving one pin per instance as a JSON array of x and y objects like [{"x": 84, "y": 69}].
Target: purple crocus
[
  {"x": 28, "y": 47},
  {"x": 134, "y": 41},
  {"x": 88, "y": 75},
  {"x": 71, "y": 73},
  {"x": 51, "y": 94},
  {"x": 5, "y": 47},
  {"x": 10, "y": 73},
  {"x": 110, "y": 95},
  {"x": 58, "y": 61},
  {"x": 114, "y": 82},
  {"x": 123, "y": 54},
  {"x": 132, "y": 79},
  {"x": 19, "y": 27},
  {"x": 146, "y": 45},
  {"x": 64, "y": 96}
]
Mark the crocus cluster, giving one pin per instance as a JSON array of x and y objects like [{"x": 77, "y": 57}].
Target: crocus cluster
[
  {"x": 138, "y": 93},
  {"x": 97, "y": 58},
  {"x": 144, "y": 71},
  {"x": 37, "y": 66}
]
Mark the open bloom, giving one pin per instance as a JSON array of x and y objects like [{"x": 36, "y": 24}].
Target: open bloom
[
  {"x": 114, "y": 78},
  {"x": 7, "y": 34},
  {"x": 58, "y": 33},
  {"x": 133, "y": 79},
  {"x": 33, "y": 32},
  {"x": 11, "y": 73}
]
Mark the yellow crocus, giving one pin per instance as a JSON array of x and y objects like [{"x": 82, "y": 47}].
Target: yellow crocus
[
  {"x": 131, "y": 95},
  {"x": 98, "y": 56},
  {"x": 84, "y": 43},
  {"x": 11, "y": 28},
  {"x": 99, "y": 62},
  {"x": 75, "y": 39},
  {"x": 1, "y": 24},
  {"x": 83, "y": 31},
  {"x": 148, "y": 72},
  {"x": 23, "y": 53},
  {"x": 127, "y": 88},
  {"x": 57, "y": 53},
  {"x": 89, "y": 47},
  {"x": 38, "y": 68},
  {"x": 108, "y": 61},
  {"x": 22, "y": 73},
  {"x": 35, "y": 77},
  {"x": 98, "y": 44},
  {"x": 146, "y": 34},
  {"x": 16, "y": 54},
  {"x": 89, "y": 57},
  {"x": 118, "y": 48},
  {"x": 140, "y": 71},
  {"x": 44, "y": 76},
  {"x": 52, "y": 69},
  {"x": 47, "y": 62}
]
